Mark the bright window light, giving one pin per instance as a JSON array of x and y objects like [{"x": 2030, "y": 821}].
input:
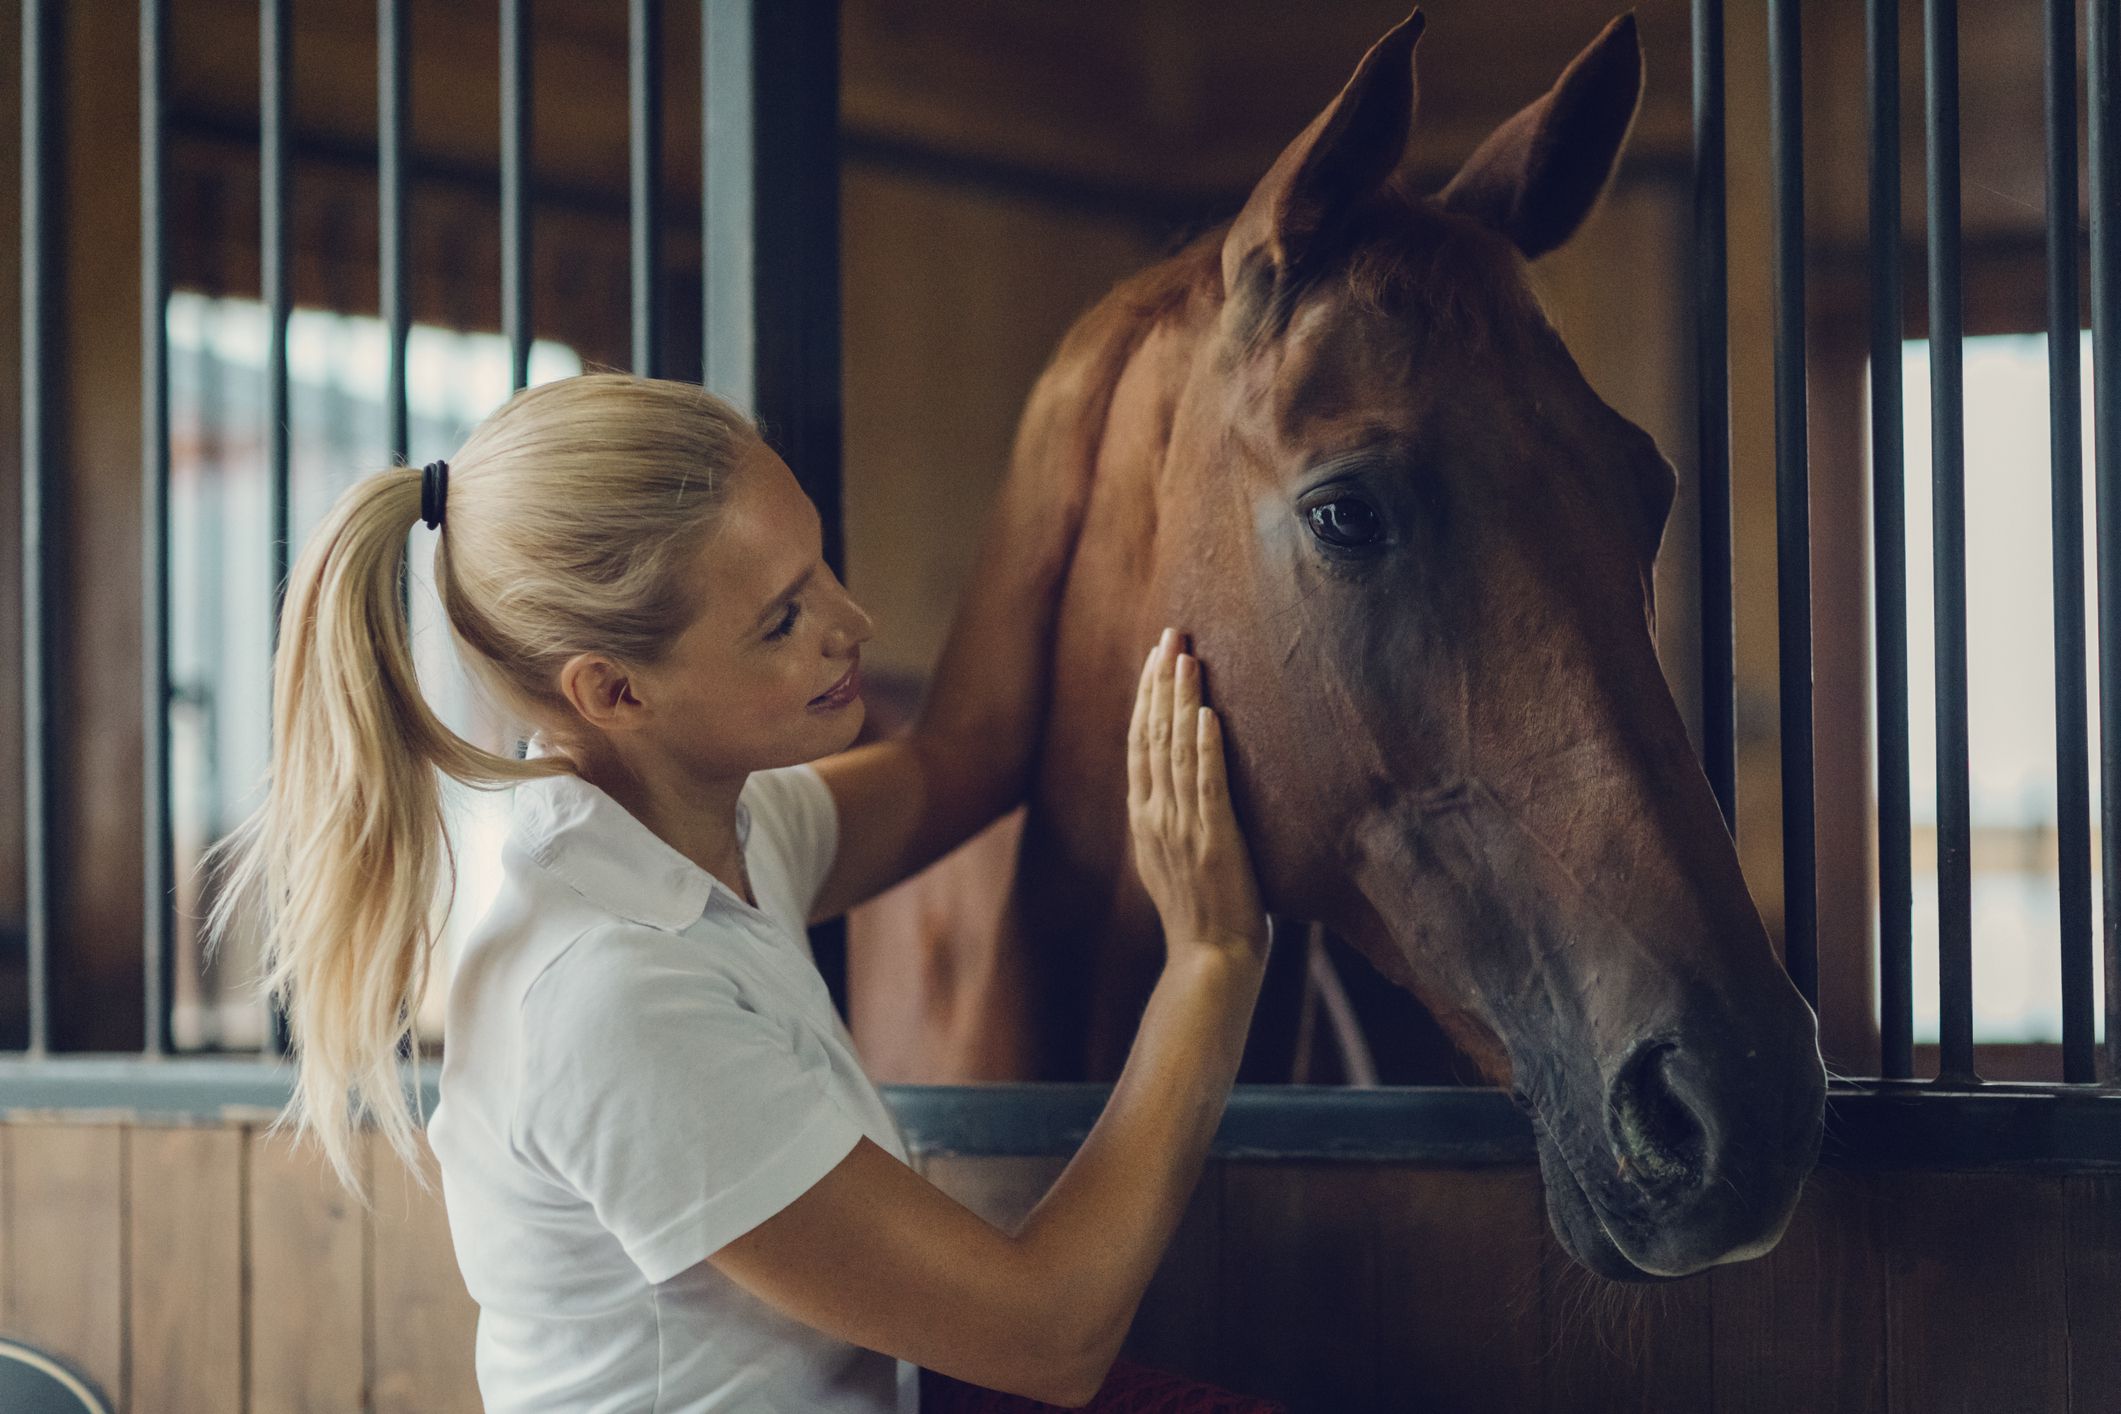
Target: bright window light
[
  {"x": 2010, "y": 687},
  {"x": 221, "y": 592}
]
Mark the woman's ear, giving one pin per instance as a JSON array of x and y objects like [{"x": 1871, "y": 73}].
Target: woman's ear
[
  {"x": 600, "y": 691},
  {"x": 1538, "y": 175}
]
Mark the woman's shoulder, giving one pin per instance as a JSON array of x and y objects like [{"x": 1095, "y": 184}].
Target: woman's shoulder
[
  {"x": 793, "y": 812},
  {"x": 790, "y": 795},
  {"x": 617, "y": 967}
]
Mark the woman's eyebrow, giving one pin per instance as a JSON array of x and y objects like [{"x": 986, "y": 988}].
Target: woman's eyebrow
[{"x": 781, "y": 598}]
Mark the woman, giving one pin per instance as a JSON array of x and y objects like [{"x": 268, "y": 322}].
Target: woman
[{"x": 669, "y": 1184}]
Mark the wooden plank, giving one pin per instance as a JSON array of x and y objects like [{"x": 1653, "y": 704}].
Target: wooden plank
[
  {"x": 425, "y": 1321},
  {"x": 1459, "y": 1289},
  {"x": 1174, "y": 1327},
  {"x": 2094, "y": 1290},
  {"x": 1297, "y": 1306},
  {"x": 184, "y": 1215},
  {"x": 308, "y": 1322},
  {"x": 65, "y": 1217},
  {"x": 1804, "y": 1326},
  {"x": 1974, "y": 1293},
  {"x": 1612, "y": 1347}
]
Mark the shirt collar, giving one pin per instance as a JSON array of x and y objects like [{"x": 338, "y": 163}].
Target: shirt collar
[{"x": 604, "y": 853}]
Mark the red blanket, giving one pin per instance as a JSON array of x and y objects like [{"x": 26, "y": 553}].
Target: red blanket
[{"x": 1129, "y": 1389}]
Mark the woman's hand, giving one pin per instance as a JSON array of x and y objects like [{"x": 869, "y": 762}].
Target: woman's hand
[{"x": 1187, "y": 847}]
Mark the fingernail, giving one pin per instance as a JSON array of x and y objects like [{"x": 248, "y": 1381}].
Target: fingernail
[{"x": 1166, "y": 639}]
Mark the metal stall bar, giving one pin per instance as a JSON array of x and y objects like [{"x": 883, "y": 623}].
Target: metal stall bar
[
  {"x": 770, "y": 225},
  {"x": 645, "y": 99},
  {"x": 1896, "y": 888},
  {"x": 43, "y": 504},
  {"x": 158, "y": 854},
  {"x": 771, "y": 221},
  {"x": 516, "y": 54},
  {"x": 2102, "y": 21},
  {"x": 273, "y": 41},
  {"x": 393, "y": 117},
  {"x": 2066, "y": 466},
  {"x": 273, "y": 20},
  {"x": 1955, "y": 933},
  {"x": 1793, "y": 531},
  {"x": 1712, "y": 398}
]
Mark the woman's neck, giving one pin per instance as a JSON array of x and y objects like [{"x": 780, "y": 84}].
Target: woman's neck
[{"x": 696, "y": 817}]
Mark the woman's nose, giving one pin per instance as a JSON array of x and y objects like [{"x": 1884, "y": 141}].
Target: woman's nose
[
  {"x": 856, "y": 626},
  {"x": 863, "y": 626}
]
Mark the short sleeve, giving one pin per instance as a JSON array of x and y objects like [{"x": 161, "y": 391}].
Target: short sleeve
[
  {"x": 683, "y": 1116},
  {"x": 794, "y": 810}
]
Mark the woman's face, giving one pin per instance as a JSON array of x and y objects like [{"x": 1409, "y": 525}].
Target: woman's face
[{"x": 741, "y": 687}]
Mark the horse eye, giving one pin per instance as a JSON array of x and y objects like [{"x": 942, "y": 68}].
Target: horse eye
[{"x": 1348, "y": 523}]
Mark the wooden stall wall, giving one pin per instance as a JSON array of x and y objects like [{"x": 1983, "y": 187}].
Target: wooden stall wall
[{"x": 210, "y": 1269}]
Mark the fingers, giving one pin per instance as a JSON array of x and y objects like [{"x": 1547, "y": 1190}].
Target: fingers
[
  {"x": 1212, "y": 784},
  {"x": 1185, "y": 707},
  {"x": 1160, "y": 720},
  {"x": 1138, "y": 736}
]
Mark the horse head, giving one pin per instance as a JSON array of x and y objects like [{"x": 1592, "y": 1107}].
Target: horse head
[{"x": 1414, "y": 549}]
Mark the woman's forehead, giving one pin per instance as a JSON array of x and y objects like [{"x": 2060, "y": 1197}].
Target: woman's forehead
[{"x": 762, "y": 538}]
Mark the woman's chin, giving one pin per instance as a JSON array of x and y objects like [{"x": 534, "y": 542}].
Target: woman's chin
[{"x": 842, "y": 723}]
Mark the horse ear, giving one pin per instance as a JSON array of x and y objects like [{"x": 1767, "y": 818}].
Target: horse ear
[
  {"x": 1539, "y": 174},
  {"x": 1339, "y": 159}
]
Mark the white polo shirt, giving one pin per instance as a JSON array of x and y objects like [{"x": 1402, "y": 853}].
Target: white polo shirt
[{"x": 639, "y": 1067}]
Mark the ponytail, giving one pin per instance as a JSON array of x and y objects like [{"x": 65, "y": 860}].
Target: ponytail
[
  {"x": 341, "y": 861},
  {"x": 574, "y": 512}
]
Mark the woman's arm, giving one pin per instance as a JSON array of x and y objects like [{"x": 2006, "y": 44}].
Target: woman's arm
[
  {"x": 876, "y": 1255},
  {"x": 906, "y": 802}
]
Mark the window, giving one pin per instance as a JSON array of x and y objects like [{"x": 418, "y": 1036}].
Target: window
[
  {"x": 2010, "y": 688},
  {"x": 221, "y": 595}
]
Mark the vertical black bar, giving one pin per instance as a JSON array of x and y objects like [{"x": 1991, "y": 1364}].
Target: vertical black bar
[
  {"x": 516, "y": 54},
  {"x": 273, "y": 41},
  {"x": 158, "y": 853},
  {"x": 272, "y": 267},
  {"x": 1896, "y": 887},
  {"x": 1712, "y": 398},
  {"x": 1955, "y": 929},
  {"x": 393, "y": 118},
  {"x": 2073, "y": 809},
  {"x": 645, "y": 98},
  {"x": 771, "y": 220},
  {"x": 393, "y": 114},
  {"x": 43, "y": 504},
  {"x": 771, "y": 224},
  {"x": 2102, "y": 20},
  {"x": 1793, "y": 531}
]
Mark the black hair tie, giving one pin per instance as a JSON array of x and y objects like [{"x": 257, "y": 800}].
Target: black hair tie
[{"x": 434, "y": 488}]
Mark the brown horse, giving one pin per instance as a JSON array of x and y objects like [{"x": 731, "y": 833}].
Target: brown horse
[{"x": 1337, "y": 441}]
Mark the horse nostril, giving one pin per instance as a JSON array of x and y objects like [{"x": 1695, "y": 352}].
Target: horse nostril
[{"x": 1659, "y": 1143}]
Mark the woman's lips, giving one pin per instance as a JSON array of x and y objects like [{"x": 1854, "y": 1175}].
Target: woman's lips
[{"x": 842, "y": 692}]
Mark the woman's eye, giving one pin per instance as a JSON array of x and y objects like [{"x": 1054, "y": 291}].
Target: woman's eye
[
  {"x": 786, "y": 625},
  {"x": 1347, "y": 523}
]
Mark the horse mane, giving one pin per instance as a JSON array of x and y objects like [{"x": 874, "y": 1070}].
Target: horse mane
[
  {"x": 1063, "y": 422},
  {"x": 1400, "y": 255}
]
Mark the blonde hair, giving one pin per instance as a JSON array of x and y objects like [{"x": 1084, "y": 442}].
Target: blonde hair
[{"x": 572, "y": 514}]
